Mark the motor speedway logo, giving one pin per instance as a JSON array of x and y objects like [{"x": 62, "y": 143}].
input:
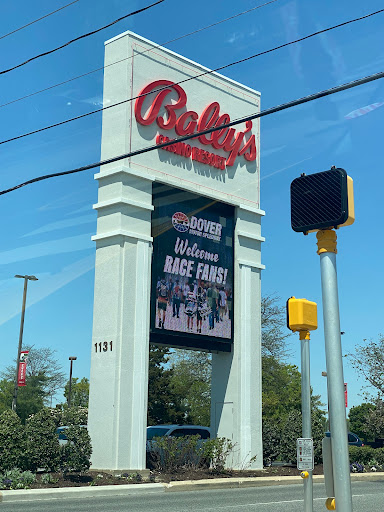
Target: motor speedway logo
[{"x": 197, "y": 226}]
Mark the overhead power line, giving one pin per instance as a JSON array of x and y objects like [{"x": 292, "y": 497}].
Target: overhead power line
[
  {"x": 38, "y": 19},
  {"x": 137, "y": 54},
  {"x": 264, "y": 113},
  {"x": 80, "y": 37},
  {"x": 65, "y": 121}
]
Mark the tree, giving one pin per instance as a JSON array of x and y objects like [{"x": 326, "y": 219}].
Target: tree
[
  {"x": 43, "y": 365},
  {"x": 79, "y": 392},
  {"x": 375, "y": 419},
  {"x": 30, "y": 398},
  {"x": 281, "y": 388},
  {"x": 273, "y": 328},
  {"x": 368, "y": 360},
  {"x": 163, "y": 404},
  {"x": 358, "y": 419},
  {"x": 191, "y": 381},
  {"x": 191, "y": 378}
]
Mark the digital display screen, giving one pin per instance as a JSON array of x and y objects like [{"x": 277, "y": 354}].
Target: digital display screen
[{"x": 192, "y": 267}]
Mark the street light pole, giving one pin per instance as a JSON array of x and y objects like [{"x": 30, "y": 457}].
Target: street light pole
[
  {"x": 73, "y": 358},
  {"x": 26, "y": 279}
]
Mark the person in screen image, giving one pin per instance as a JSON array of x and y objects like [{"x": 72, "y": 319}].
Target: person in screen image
[
  {"x": 222, "y": 302},
  {"x": 212, "y": 299},
  {"x": 199, "y": 306},
  {"x": 176, "y": 298},
  {"x": 190, "y": 303},
  {"x": 185, "y": 291},
  {"x": 229, "y": 303},
  {"x": 162, "y": 302}
]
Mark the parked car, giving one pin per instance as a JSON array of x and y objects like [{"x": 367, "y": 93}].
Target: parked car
[
  {"x": 178, "y": 431},
  {"x": 353, "y": 439},
  {"x": 61, "y": 432}
]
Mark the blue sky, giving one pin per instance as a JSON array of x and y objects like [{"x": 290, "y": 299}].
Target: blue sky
[{"x": 47, "y": 227}]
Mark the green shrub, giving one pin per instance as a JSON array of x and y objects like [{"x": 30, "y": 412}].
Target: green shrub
[
  {"x": 379, "y": 456},
  {"x": 217, "y": 451},
  {"x": 76, "y": 453},
  {"x": 271, "y": 441},
  {"x": 362, "y": 454},
  {"x": 173, "y": 453},
  {"x": 47, "y": 478},
  {"x": 16, "y": 479},
  {"x": 279, "y": 437},
  {"x": 12, "y": 441},
  {"x": 74, "y": 415},
  {"x": 42, "y": 443}
]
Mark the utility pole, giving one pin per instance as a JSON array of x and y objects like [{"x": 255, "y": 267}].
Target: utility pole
[
  {"x": 73, "y": 358},
  {"x": 26, "y": 279}
]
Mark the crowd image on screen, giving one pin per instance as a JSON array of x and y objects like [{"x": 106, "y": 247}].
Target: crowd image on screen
[{"x": 194, "y": 306}]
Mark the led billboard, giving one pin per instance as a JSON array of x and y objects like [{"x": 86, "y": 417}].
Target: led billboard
[{"x": 192, "y": 270}]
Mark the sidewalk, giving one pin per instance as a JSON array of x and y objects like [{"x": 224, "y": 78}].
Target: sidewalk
[{"x": 190, "y": 485}]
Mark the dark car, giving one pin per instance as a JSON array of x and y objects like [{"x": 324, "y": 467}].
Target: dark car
[
  {"x": 353, "y": 439},
  {"x": 178, "y": 431}
]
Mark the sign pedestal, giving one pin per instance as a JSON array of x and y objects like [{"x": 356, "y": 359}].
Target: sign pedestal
[
  {"x": 120, "y": 347},
  {"x": 236, "y": 377}
]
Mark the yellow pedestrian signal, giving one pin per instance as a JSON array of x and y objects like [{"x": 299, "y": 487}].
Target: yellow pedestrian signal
[{"x": 301, "y": 314}]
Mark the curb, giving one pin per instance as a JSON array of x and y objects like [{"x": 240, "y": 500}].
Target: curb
[
  {"x": 78, "y": 492},
  {"x": 188, "y": 485},
  {"x": 265, "y": 481}
]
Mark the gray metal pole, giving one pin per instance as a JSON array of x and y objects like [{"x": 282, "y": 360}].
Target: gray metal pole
[
  {"x": 73, "y": 358},
  {"x": 14, "y": 401},
  {"x": 70, "y": 384},
  {"x": 339, "y": 433},
  {"x": 306, "y": 414}
]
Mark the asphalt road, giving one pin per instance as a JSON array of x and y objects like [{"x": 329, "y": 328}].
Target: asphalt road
[{"x": 367, "y": 496}]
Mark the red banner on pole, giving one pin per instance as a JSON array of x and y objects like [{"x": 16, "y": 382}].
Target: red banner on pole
[
  {"x": 346, "y": 394},
  {"x": 22, "y": 368}
]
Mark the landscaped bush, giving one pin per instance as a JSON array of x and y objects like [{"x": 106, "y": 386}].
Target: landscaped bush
[
  {"x": 16, "y": 479},
  {"x": 279, "y": 439},
  {"x": 361, "y": 454},
  {"x": 76, "y": 454},
  {"x": 74, "y": 415},
  {"x": 271, "y": 441},
  {"x": 379, "y": 456},
  {"x": 173, "y": 453},
  {"x": 42, "y": 443},
  {"x": 12, "y": 441},
  {"x": 216, "y": 451}
]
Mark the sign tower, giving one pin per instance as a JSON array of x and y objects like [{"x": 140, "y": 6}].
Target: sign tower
[{"x": 178, "y": 241}]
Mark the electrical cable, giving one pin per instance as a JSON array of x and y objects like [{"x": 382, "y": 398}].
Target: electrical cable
[
  {"x": 60, "y": 123},
  {"x": 80, "y": 37},
  {"x": 38, "y": 19},
  {"x": 264, "y": 113},
  {"x": 136, "y": 55}
]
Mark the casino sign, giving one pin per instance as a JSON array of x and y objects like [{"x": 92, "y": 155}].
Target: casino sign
[{"x": 187, "y": 123}]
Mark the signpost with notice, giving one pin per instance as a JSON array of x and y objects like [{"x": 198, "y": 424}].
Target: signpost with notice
[{"x": 305, "y": 457}]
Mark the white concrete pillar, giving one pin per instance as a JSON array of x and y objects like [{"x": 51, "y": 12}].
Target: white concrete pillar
[
  {"x": 120, "y": 346},
  {"x": 236, "y": 376}
]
